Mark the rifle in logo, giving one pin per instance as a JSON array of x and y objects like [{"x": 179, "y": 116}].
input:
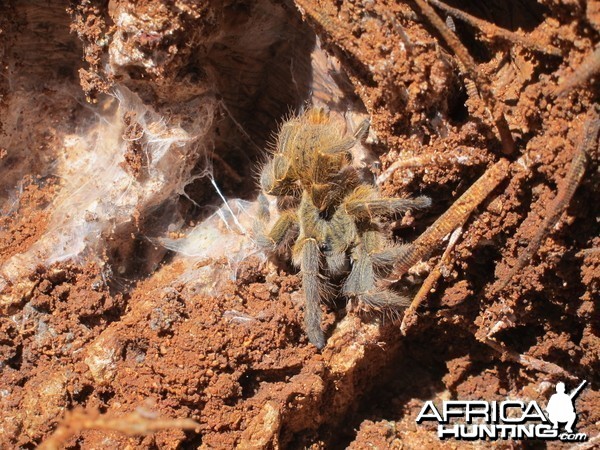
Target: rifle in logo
[{"x": 574, "y": 393}]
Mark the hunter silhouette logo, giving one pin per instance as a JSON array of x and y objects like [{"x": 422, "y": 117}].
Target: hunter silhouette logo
[
  {"x": 561, "y": 408},
  {"x": 509, "y": 419}
]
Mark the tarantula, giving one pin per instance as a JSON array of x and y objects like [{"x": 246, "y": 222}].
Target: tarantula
[{"x": 332, "y": 214}]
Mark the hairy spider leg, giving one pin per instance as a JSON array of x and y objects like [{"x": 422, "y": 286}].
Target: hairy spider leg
[
  {"x": 365, "y": 203},
  {"x": 260, "y": 224},
  {"x": 275, "y": 177},
  {"x": 309, "y": 266},
  {"x": 340, "y": 234},
  {"x": 272, "y": 240},
  {"x": 307, "y": 255},
  {"x": 384, "y": 260},
  {"x": 361, "y": 285}
]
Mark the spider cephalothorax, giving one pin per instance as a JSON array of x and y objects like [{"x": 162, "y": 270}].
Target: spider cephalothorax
[{"x": 331, "y": 213}]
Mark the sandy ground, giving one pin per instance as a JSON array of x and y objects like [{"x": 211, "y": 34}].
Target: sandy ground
[{"x": 108, "y": 306}]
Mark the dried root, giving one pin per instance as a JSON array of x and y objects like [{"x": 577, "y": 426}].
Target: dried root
[
  {"x": 562, "y": 199},
  {"x": 131, "y": 424},
  {"x": 495, "y": 32},
  {"x": 446, "y": 159},
  {"x": 482, "y": 82},
  {"x": 589, "y": 67},
  {"x": 527, "y": 361},
  {"x": 429, "y": 283}
]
